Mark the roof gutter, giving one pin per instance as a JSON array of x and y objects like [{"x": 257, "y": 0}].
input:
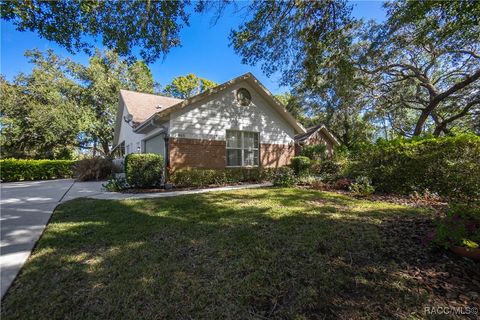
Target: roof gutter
[{"x": 151, "y": 122}]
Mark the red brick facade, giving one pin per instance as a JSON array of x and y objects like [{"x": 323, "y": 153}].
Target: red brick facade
[
  {"x": 196, "y": 153},
  {"x": 211, "y": 154},
  {"x": 317, "y": 138},
  {"x": 276, "y": 155}
]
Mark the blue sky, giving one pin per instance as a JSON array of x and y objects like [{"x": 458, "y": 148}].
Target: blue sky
[{"x": 205, "y": 49}]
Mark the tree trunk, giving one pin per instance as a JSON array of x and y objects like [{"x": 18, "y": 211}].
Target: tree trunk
[
  {"x": 438, "y": 129},
  {"x": 421, "y": 122}
]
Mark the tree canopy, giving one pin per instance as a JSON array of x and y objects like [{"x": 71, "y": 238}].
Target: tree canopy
[
  {"x": 416, "y": 73},
  {"x": 41, "y": 113},
  {"x": 62, "y": 106},
  {"x": 184, "y": 87},
  {"x": 151, "y": 26}
]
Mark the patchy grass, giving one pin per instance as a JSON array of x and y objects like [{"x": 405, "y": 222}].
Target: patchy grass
[{"x": 263, "y": 253}]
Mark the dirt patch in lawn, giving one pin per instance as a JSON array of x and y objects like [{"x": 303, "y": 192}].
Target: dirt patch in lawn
[{"x": 451, "y": 280}]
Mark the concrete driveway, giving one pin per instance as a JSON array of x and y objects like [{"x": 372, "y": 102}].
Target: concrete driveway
[{"x": 25, "y": 208}]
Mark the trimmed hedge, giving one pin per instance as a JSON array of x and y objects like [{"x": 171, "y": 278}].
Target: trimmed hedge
[
  {"x": 449, "y": 166},
  {"x": 144, "y": 170},
  {"x": 208, "y": 177},
  {"x": 21, "y": 169}
]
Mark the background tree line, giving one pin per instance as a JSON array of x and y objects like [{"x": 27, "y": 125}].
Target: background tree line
[
  {"x": 416, "y": 73},
  {"x": 63, "y": 106}
]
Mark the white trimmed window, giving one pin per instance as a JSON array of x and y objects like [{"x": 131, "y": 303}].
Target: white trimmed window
[{"x": 242, "y": 148}]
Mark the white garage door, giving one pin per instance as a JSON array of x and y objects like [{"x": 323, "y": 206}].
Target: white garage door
[{"x": 155, "y": 144}]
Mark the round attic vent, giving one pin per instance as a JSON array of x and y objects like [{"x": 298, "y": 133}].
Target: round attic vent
[{"x": 243, "y": 97}]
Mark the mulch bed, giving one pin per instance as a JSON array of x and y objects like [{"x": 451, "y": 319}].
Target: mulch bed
[
  {"x": 452, "y": 280},
  {"x": 160, "y": 190}
]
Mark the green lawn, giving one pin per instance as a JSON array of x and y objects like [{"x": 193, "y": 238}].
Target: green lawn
[{"x": 262, "y": 253}]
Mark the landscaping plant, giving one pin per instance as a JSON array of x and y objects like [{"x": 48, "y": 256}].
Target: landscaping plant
[
  {"x": 21, "y": 169},
  {"x": 144, "y": 170},
  {"x": 301, "y": 166},
  {"x": 460, "y": 227},
  {"x": 449, "y": 166},
  {"x": 116, "y": 184},
  {"x": 285, "y": 177},
  {"x": 95, "y": 168},
  {"x": 362, "y": 186},
  {"x": 314, "y": 151},
  {"x": 208, "y": 177}
]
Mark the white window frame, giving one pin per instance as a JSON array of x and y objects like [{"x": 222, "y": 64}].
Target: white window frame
[{"x": 242, "y": 149}]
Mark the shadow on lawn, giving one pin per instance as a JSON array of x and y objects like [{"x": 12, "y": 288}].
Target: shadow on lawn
[{"x": 251, "y": 254}]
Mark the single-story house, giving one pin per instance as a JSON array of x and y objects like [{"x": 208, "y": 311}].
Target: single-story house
[
  {"x": 318, "y": 134},
  {"x": 236, "y": 124}
]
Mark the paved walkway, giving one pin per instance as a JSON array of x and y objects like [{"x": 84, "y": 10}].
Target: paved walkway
[
  {"x": 27, "y": 206},
  {"x": 94, "y": 190}
]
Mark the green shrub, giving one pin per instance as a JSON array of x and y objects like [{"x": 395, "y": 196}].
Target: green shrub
[
  {"x": 284, "y": 177},
  {"x": 116, "y": 184},
  {"x": 362, "y": 186},
  {"x": 144, "y": 170},
  {"x": 460, "y": 227},
  {"x": 92, "y": 169},
  {"x": 20, "y": 169},
  {"x": 314, "y": 151},
  {"x": 207, "y": 177},
  {"x": 301, "y": 165},
  {"x": 306, "y": 180},
  {"x": 449, "y": 166}
]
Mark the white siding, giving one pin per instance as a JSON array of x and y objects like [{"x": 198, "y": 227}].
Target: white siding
[
  {"x": 210, "y": 118},
  {"x": 155, "y": 144},
  {"x": 134, "y": 141}
]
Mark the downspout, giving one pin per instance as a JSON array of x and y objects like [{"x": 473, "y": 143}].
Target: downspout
[{"x": 167, "y": 153}]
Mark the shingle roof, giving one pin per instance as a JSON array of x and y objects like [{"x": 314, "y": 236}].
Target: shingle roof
[
  {"x": 306, "y": 135},
  {"x": 312, "y": 130},
  {"x": 250, "y": 78},
  {"x": 143, "y": 105}
]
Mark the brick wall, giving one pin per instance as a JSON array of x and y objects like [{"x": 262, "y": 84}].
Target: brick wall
[
  {"x": 276, "y": 155},
  {"x": 196, "y": 153}
]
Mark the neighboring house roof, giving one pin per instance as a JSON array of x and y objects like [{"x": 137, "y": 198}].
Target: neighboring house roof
[
  {"x": 304, "y": 137},
  {"x": 250, "y": 78},
  {"x": 143, "y": 105}
]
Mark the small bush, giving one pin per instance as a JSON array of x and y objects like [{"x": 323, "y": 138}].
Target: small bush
[
  {"x": 20, "y": 169},
  {"x": 208, "y": 177},
  {"x": 116, "y": 184},
  {"x": 144, "y": 170},
  {"x": 306, "y": 180},
  {"x": 314, "y": 151},
  {"x": 362, "y": 186},
  {"x": 332, "y": 168},
  {"x": 284, "y": 177},
  {"x": 301, "y": 165},
  {"x": 460, "y": 227},
  {"x": 342, "y": 184},
  {"x": 320, "y": 185},
  {"x": 92, "y": 169}
]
